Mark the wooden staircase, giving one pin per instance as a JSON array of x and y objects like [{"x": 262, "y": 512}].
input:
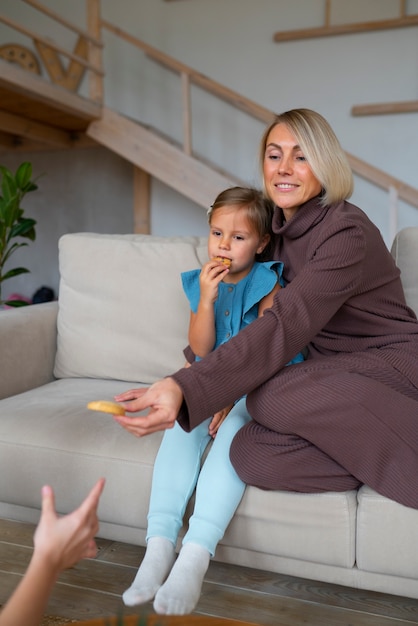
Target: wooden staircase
[
  {"x": 37, "y": 114},
  {"x": 159, "y": 157}
]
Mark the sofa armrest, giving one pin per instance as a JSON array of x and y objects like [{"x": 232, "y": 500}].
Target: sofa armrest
[
  {"x": 405, "y": 252},
  {"x": 28, "y": 340}
]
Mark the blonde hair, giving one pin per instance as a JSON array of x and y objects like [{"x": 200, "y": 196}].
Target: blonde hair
[
  {"x": 322, "y": 150},
  {"x": 258, "y": 210}
]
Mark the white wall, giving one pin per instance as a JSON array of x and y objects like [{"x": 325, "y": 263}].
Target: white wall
[{"x": 231, "y": 41}]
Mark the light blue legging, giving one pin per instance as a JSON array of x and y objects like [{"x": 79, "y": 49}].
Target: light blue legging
[{"x": 177, "y": 471}]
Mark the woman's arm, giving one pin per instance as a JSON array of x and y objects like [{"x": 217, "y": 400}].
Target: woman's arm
[
  {"x": 59, "y": 544},
  {"x": 326, "y": 278},
  {"x": 267, "y": 301}
]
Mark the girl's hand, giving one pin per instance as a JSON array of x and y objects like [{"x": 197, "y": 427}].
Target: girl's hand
[
  {"x": 217, "y": 420},
  {"x": 211, "y": 275}
]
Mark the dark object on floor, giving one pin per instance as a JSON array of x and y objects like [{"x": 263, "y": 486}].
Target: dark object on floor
[{"x": 43, "y": 294}]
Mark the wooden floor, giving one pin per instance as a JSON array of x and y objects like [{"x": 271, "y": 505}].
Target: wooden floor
[{"x": 94, "y": 587}]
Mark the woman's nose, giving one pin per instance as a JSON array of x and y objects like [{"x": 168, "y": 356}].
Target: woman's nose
[{"x": 284, "y": 166}]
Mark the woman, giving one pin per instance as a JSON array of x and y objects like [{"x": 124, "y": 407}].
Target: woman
[{"x": 349, "y": 414}]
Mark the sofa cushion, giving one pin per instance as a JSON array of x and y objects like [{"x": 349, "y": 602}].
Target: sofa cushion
[
  {"x": 315, "y": 527},
  {"x": 48, "y": 436},
  {"x": 387, "y": 535},
  {"x": 122, "y": 311}
]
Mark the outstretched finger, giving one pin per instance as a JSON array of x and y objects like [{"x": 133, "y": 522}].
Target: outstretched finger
[
  {"x": 48, "y": 501},
  {"x": 91, "y": 502},
  {"x": 131, "y": 394}
]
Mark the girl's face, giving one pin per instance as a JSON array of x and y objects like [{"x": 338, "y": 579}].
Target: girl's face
[
  {"x": 288, "y": 179},
  {"x": 232, "y": 236}
]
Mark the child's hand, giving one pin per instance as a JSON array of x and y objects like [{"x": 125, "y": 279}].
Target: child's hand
[
  {"x": 217, "y": 420},
  {"x": 60, "y": 542},
  {"x": 211, "y": 275}
]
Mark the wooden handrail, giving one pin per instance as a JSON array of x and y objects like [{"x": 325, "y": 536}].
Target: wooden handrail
[
  {"x": 376, "y": 176},
  {"x": 190, "y": 77},
  {"x": 329, "y": 30},
  {"x": 50, "y": 44},
  {"x": 57, "y": 18},
  {"x": 216, "y": 89},
  {"x": 385, "y": 108},
  {"x": 360, "y": 168},
  {"x": 345, "y": 29}
]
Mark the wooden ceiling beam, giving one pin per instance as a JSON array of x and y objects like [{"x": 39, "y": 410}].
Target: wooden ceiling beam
[
  {"x": 34, "y": 131},
  {"x": 14, "y": 78}
]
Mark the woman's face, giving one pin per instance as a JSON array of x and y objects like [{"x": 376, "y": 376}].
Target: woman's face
[{"x": 288, "y": 179}]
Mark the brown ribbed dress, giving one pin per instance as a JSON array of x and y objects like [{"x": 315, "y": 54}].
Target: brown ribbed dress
[{"x": 349, "y": 414}]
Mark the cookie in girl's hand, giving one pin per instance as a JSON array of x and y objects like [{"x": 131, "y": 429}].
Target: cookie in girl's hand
[{"x": 224, "y": 260}]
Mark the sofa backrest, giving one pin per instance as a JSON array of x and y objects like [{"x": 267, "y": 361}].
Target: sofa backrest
[
  {"x": 405, "y": 252},
  {"x": 122, "y": 311}
]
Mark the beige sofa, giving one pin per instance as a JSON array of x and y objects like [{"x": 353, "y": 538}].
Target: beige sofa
[{"x": 122, "y": 321}]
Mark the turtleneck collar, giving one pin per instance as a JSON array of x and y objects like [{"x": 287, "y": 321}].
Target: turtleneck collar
[{"x": 305, "y": 218}]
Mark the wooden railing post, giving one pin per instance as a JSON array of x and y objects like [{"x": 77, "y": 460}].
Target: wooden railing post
[
  {"x": 94, "y": 52},
  {"x": 393, "y": 212},
  {"x": 327, "y": 20},
  {"x": 187, "y": 116},
  {"x": 142, "y": 201}
]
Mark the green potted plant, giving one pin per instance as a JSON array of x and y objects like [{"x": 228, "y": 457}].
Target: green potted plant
[{"x": 13, "y": 223}]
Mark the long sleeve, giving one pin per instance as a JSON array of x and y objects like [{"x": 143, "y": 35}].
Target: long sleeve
[{"x": 344, "y": 295}]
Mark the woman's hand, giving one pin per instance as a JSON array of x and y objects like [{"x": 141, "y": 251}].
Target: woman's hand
[{"x": 163, "y": 399}]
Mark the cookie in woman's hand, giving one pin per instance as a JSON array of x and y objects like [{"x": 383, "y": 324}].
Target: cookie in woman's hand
[{"x": 106, "y": 407}]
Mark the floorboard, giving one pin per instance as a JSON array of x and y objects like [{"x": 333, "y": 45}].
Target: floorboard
[{"x": 93, "y": 589}]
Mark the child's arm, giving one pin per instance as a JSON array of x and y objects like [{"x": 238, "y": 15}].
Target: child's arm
[
  {"x": 59, "y": 543},
  {"x": 267, "y": 301},
  {"x": 220, "y": 416},
  {"x": 202, "y": 332}
]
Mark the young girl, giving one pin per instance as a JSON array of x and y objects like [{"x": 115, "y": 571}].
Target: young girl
[{"x": 230, "y": 291}]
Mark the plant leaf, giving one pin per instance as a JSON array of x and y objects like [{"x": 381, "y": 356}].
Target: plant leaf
[
  {"x": 10, "y": 210},
  {"x": 8, "y": 185},
  {"x": 24, "y": 228},
  {"x": 14, "y": 272},
  {"x": 23, "y": 175},
  {"x": 13, "y": 223},
  {"x": 16, "y": 303},
  {"x": 8, "y": 252}
]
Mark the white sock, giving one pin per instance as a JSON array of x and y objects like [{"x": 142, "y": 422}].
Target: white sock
[
  {"x": 181, "y": 591},
  {"x": 156, "y": 564}
]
